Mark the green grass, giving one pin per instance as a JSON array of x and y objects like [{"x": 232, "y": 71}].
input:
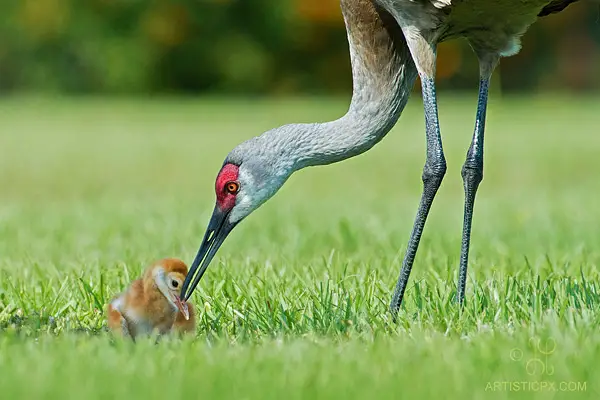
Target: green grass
[{"x": 295, "y": 304}]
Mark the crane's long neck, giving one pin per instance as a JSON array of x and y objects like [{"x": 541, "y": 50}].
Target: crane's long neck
[{"x": 383, "y": 76}]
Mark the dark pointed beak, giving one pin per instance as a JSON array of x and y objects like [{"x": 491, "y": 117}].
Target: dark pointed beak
[{"x": 218, "y": 229}]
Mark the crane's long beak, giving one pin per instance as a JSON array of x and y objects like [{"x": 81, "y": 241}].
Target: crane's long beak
[{"x": 218, "y": 229}]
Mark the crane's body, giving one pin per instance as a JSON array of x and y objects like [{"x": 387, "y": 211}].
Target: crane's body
[
  {"x": 477, "y": 21},
  {"x": 391, "y": 42},
  {"x": 151, "y": 304}
]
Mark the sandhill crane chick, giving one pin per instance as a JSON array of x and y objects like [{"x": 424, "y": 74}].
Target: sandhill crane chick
[{"x": 151, "y": 304}]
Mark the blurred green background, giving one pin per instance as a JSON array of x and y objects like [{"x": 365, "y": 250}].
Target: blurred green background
[{"x": 248, "y": 46}]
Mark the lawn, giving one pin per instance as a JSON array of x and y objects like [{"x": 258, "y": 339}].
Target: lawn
[{"x": 295, "y": 303}]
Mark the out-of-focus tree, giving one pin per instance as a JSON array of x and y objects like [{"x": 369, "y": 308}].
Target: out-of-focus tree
[{"x": 247, "y": 46}]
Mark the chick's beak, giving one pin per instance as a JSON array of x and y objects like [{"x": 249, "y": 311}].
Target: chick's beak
[
  {"x": 218, "y": 228},
  {"x": 183, "y": 307}
]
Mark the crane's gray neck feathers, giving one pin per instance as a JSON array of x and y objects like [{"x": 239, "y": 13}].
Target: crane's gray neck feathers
[{"x": 383, "y": 76}]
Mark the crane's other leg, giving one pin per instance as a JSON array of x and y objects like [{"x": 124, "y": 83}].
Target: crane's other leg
[
  {"x": 435, "y": 165},
  {"x": 472, "y": 171}
]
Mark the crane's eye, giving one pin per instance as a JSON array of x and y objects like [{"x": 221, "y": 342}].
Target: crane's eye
[
  {"x": 232, "y": 187},
  {"x": 174, "y": 284}
]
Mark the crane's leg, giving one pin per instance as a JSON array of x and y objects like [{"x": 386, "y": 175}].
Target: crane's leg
[
  {"x": 472, "y": 171},
  {"x": 435, "y": 165}
]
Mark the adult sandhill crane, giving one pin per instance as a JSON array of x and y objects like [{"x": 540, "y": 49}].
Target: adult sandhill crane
[{"x": 391, "y": 41}]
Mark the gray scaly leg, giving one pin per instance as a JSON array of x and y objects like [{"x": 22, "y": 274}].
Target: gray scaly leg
[
  {"x": 433, "y": 173},
  {"x": 472, "y": 171}
]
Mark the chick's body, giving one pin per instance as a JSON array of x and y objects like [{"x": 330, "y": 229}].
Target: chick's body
[{"x": 151, "y": 304}]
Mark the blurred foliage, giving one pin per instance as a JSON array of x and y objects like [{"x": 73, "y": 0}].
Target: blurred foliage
[{"x": 246, "y": 46}]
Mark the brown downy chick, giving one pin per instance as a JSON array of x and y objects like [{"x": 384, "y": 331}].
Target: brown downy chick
[{"x": 151, "y": 304}]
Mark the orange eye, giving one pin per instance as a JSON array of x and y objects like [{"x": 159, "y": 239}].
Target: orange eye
[{"x": 232, "y": 187}]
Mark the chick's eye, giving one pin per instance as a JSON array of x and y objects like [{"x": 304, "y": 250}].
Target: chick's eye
[
  {"x": 175, "y": 284},
  {"x": 232, "y": 187}
]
